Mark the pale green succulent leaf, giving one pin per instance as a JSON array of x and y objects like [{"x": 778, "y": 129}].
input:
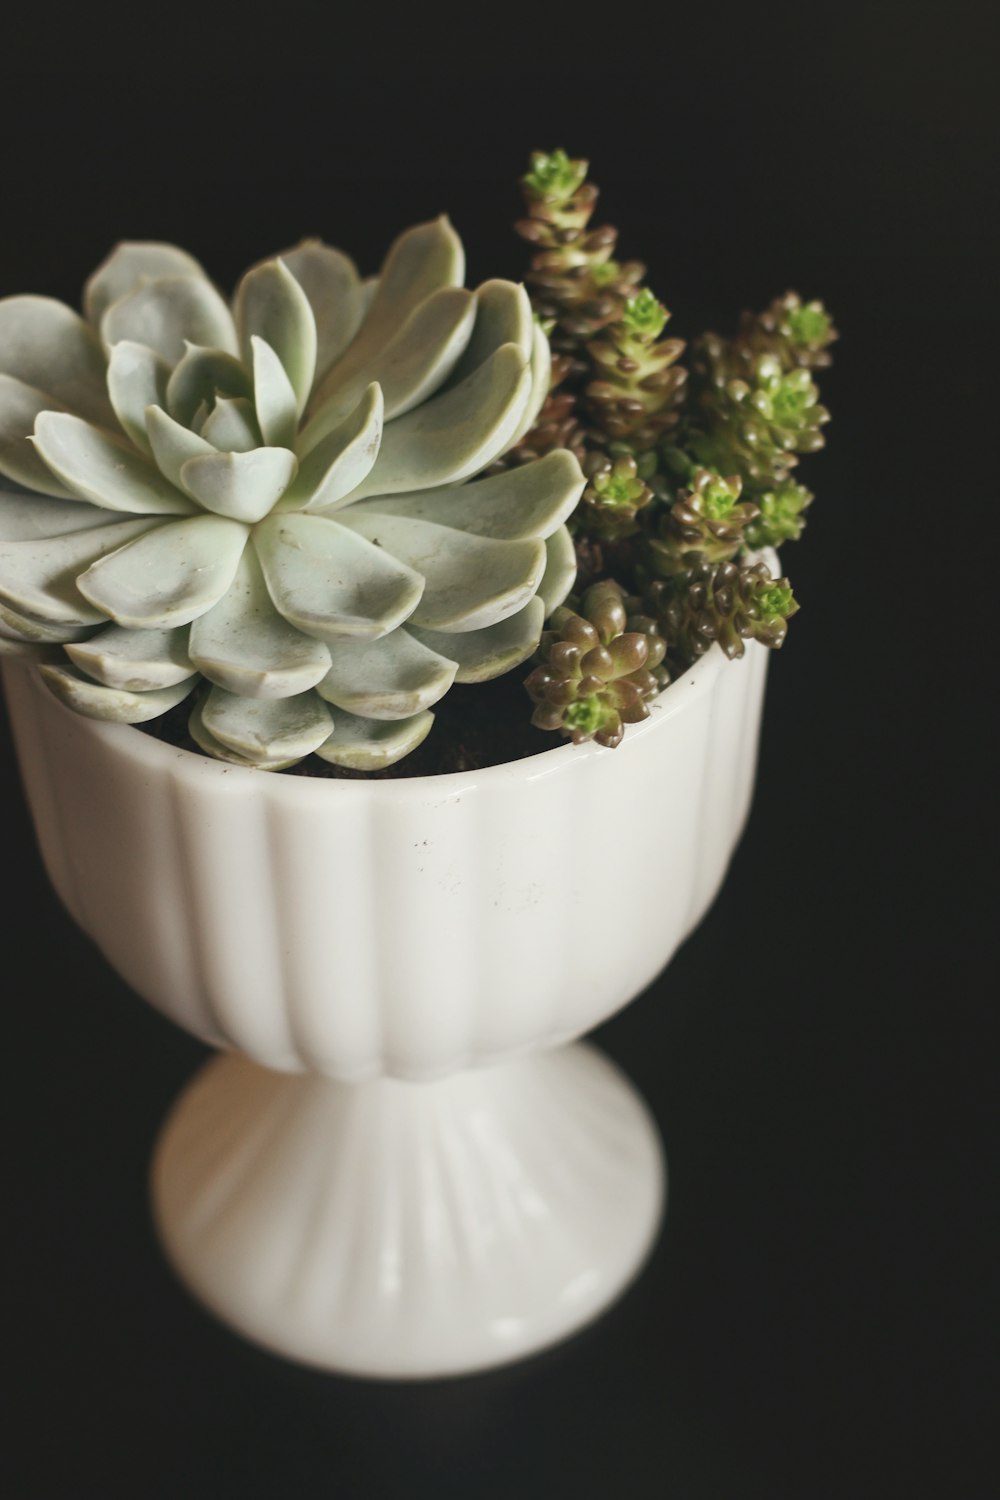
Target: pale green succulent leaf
[
  {"x": 130, "y": 265},
  {"x": 560, "y": 570},
  {"x": 99, "y": 468},
  {"x": 502, "y": 316},
  {"x": 168, "y": 577},
  {"x": 470, "y": 581},
  {"x": 23, "y": 518},
  {"x": 329, "y": 582},
  {"x": 40, "y": 578},
  {"x": 16, "y": 647},
  {"x": 231, "y": 425},
  {"x": 116, "y": 705},
  {"x": 420, "y": 262},
  {"x": 200, "y": 376},
  {"x": 261, "y": 730},
  {"x": 245, "y": 646},
  {"x": 541, "y": 379},
  {"x": 24, "y": 630},
  {"x": 270, "y": 302},
  {"x": 168, "y": 314},
  {"x": 481, "y": 655},
  {"x": 532, "y": 500},
  {"x": 242, "y": 486},
  {"x": 20, "y": 404},
  {"x": 456, "y": 433},
  {"x": 137, "y": 379},
  {"x": 274, "y": 397},
  {"x": 338, "y": 464},
  {"x": 409, "y": 368},
  {"x": 172, "y": 444},
  {"x": 211, "y": 746},
  {"x": 47, "y": 345},
  {"x": 392, "y": 678},
  {"x": 361, "y": 744},
  {"x": 138, "y": 661},
  {"x": 330, "y": 280}
]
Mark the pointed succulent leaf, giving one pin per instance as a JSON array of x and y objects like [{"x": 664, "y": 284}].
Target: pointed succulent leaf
[
  {"x": 99, "y": 468},
  {"x": 117, "y": 705},
  {"x": 39, "y": 578},
  {"x": 422, "y": 260},
  {"x": 245, "y": 646},
  {"x": 47, "y": 345},
  {"x": 261, "y": 730},
  {"x": 484, "y": 654},
  {"x": 372, "y": 744},
  {"x": 274, "y": 397},
  {"x": 137, "y": 378},
  {"x": 270, "y": 303},
  {"x": 168, "y": 577},
  {"x": 409, "y": 368},
  {"x": 231, "y": 426},
  {"x": 23, "y": 518},
  {"x": 470, "y": 581},
  {"x": 242, "y": 486},
  {"x": 168, "y": 314},
  {"x": 331, "y": 583},
  {"x": 502, "y": 316},
  {"x": 200, "y": 376},
  {"x": 454, "y": 434},
  {"x": 392, "y": 678},
  {"x": 138, "y": 661},
  {"x": 330, "y": 281},
  {"x": 532, "y": 500},
  {"x": 338, "y": 464},
  {"x": 560, "y": 570},
  {"x": 172, "y": 444},
  {"x": 130, "y": 265},
  {"x": 20, "y": 404}
]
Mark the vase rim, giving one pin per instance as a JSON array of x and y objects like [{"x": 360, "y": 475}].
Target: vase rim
[{"x": 159, "y": 755}]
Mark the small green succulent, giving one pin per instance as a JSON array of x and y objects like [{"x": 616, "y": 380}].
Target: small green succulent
[
  {"x": 706, "y": 523},
  {"x": 723, "y": 604},
  {"x": 594, "y": 676},
  {"x": 264, "y": 504}
]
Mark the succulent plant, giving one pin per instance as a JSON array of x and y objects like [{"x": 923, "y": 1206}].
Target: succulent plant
[
  {"x": 267, "y": 502},
  {"x": 725, "y": 603},
  {"x": 595, "y": 676},
  {"x": 706, "y": 523}
]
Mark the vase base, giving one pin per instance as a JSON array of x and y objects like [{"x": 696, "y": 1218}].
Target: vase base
[{"x": 405, "y": 1230}]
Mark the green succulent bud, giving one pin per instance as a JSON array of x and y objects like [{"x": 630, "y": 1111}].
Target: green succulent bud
[
  {"x": 613, "y": 498},
  {"x": 594, "y": 677},
  {"x": 644, "y": 317},
  {"x": 798, "y": 333},
  {"x": 706, "y": 523},
  {"x": 781, "y": 518},
  {"x": 553, "y": 176}
]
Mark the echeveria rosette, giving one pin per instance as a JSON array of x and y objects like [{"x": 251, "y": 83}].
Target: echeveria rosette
[{"x": 269, "y": 497}]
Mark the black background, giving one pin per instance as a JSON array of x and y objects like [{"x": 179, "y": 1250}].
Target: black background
[{"x": 816, "y": 1317}]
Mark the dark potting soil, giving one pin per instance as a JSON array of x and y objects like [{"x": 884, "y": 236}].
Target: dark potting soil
[{"x": 474, "y": 727}]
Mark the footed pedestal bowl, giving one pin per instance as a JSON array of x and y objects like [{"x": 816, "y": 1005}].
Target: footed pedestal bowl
[{"x": 404, "y": 1163}]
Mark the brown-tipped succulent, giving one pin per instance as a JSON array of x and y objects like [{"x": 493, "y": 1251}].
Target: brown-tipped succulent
[
  {"x": 595, "y": 676},
  {"x": 638, "y": 386},
  {"x": 616, "y": 492},
  {"x": 706, "y": 523},
  {"x": 799, "y": 333},
  {"x": 723, "y": 604}
]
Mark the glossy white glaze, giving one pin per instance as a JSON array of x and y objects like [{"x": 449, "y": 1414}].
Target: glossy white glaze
[{"x": 391, "y": 1212}]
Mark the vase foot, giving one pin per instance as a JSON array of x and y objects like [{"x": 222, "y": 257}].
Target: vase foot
[{"x": 409, "y": 1230}]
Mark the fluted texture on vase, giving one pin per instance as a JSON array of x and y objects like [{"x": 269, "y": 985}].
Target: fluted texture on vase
[
  {"x": 394, "y": 1229},
  {"x": 410, "y": 928}
]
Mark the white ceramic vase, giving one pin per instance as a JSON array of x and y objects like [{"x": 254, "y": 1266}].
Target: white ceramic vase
[{"x": 404, "y": 1165}]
